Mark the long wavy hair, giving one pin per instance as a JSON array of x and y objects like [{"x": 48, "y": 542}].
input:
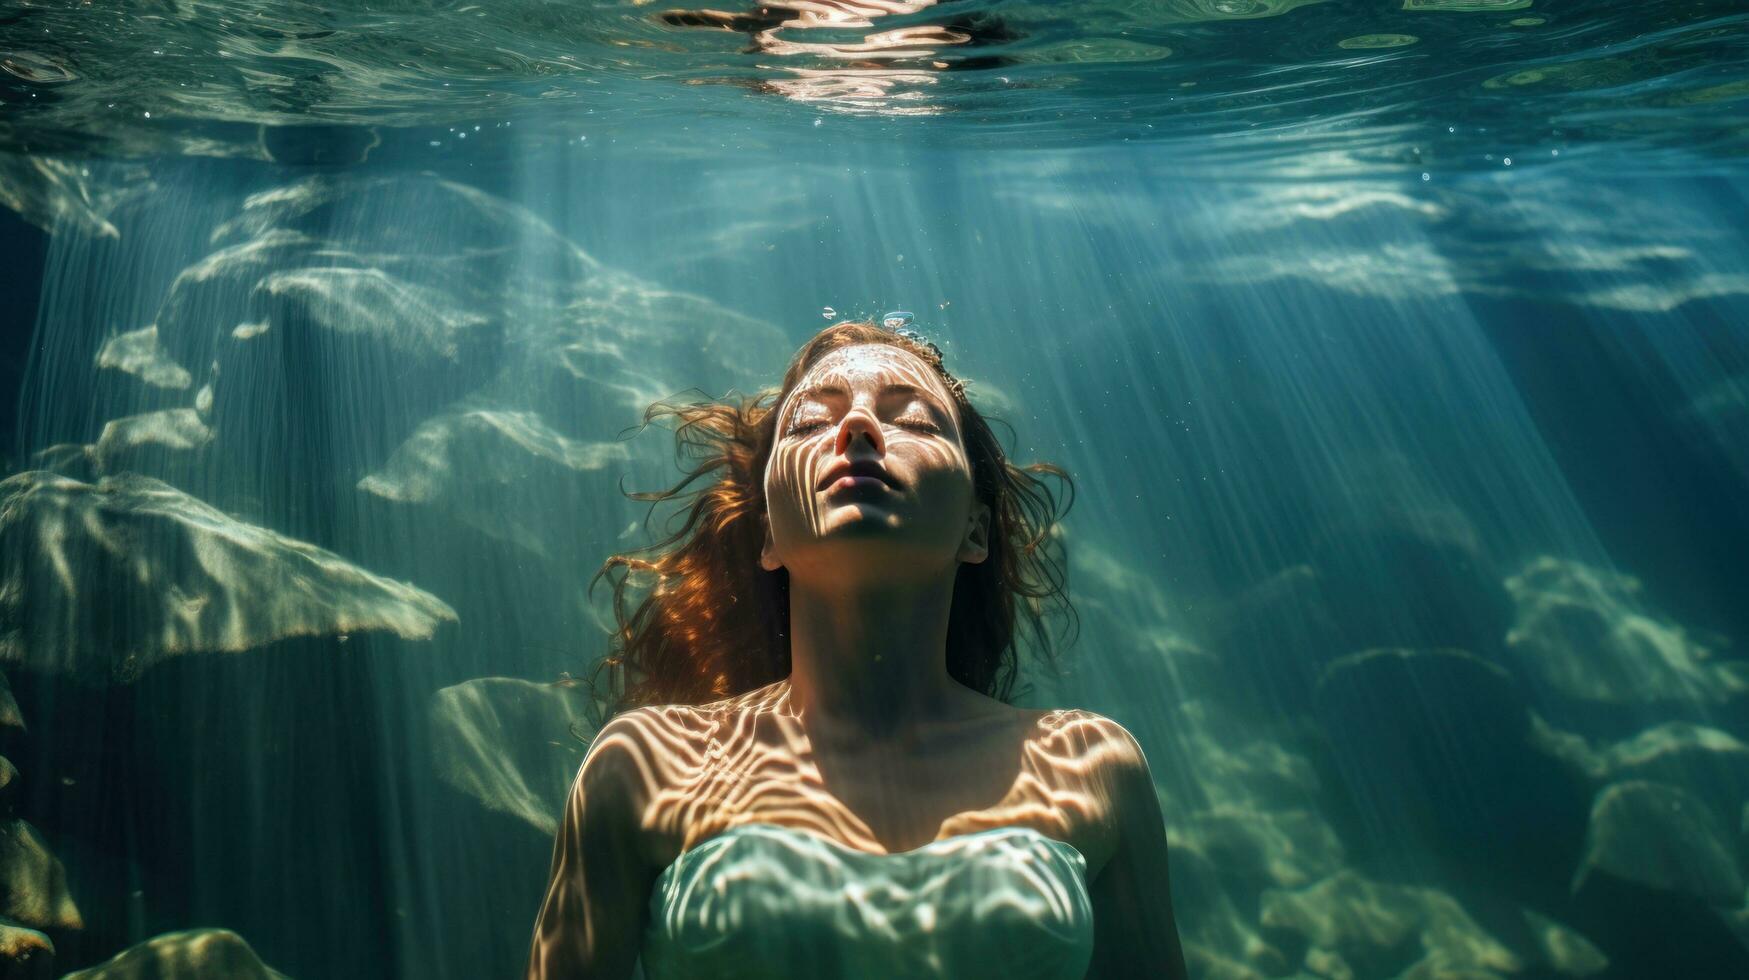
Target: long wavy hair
[{"x": 713, "y": 624}]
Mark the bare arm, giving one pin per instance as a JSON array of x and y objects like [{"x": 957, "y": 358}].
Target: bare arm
[
  {"x": 596, "y": 907},
  {"x": 1134, "y": 932}
]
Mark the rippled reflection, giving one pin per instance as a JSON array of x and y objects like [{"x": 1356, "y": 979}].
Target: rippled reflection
[
  {"x": 1277, "y": 87},
  {"x": 764, "y": 900},
  {"x": 883, "y": 72}
]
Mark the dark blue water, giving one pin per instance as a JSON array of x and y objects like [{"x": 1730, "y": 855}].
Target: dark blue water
[{"x": 1399, "y": 351}]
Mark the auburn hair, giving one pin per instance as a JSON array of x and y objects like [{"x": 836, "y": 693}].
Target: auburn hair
[{"x": 713, "y": 623}]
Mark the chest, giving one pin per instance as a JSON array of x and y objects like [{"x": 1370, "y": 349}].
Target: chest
[{"x": 880, "y": 799}]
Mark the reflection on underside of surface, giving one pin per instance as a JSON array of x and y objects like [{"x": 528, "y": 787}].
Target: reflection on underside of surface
[{"x": 885, "y": 72}]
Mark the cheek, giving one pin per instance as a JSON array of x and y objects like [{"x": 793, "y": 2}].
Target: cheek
[
  {"x": 945, "y": 489},
  {"x": 786, "y": 480}
]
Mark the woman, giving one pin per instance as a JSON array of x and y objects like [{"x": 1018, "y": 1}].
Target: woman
[{"x": 818, "y": 774}]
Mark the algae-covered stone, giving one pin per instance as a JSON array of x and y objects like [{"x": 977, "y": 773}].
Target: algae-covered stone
[
  {"x": 194, "y": 954},
  {"x": 24, "y": 952},
  {"x": 1662, "y": 837},
  {"x": 69, "y": 459},
  {"x": 107, "y": 579},
  {"x": 1368, "y": 925},
  {"x": 146, "y": 442},
  {"x": 60, "y": 195},
  {"x": 514, "y": 745},
  {"x": 502, "y": 472},
  {"x": 1564, "y": 950},
  {"x": 138, "y": 353},
  {"x": 1584, "y": 633},
  {"x": 1286, "y": 848},
  {"x": 33, "y": 885},
  {"x": 1710, "y": 763}
]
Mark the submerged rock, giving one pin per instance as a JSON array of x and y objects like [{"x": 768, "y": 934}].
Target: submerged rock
[
  {"x": 1217, "y": 922},
  {"x": 1356, "y": 927},
  {"x": 1664, "y": 838},
  {"x": 1584, "y": 633},
  {"x": 1284, "y": 848},
  {"x": 69, "y": 459},
  {"x": 148, "y": 442},
  {"x": 1235, "y": 762},
  {"x": 60, "y": 195},
  {"x": 194, "y": 954},
  {"x": 138, "y": 353},
  {"x": 514, "y": 745},
  {"x": 1710, "y": 763},
  {"x": 323, "y": 309},
  {"x": 1245, "y": 813},
  {"x": 504, "y": 473},
  {"x": 24, "y": 952},
  {"x": 1563, "y": 949},
  {"x": 33, "y": 885},
  {"x": 1352, "y": 926},
  {"x": 109, "y": 578},
  {"x": 1209, "y": 964}
]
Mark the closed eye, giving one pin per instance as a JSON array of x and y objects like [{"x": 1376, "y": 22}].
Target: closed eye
[{"x": 920, "y": 425}]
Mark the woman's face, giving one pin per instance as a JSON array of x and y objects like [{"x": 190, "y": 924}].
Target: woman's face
[{"x": 869, "y": 476}]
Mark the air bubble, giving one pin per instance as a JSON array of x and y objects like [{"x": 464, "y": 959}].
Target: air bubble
[{"x": 828, "y": 312}]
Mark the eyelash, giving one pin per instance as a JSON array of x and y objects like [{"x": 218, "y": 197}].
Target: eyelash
[{"x": 800, "y": 427}]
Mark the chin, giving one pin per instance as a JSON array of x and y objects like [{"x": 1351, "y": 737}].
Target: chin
[{"x": 869, "y": 546}]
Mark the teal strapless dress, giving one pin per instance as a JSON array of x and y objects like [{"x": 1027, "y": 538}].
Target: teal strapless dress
[{"x": 772, "y": 902}]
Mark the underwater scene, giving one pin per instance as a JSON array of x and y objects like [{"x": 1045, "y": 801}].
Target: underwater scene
[{"x": 1397, "y": 350}]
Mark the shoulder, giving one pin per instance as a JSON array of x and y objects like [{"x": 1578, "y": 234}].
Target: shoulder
[
  {"x": 1103, "y": 743},
  {"x": 650, "y": 746},
  {"x": 609, "y": 774},
  {"x": 1111, "y": 760},
  {"x": 627, "y": 753},
  {"x": 627, "y": 773}
]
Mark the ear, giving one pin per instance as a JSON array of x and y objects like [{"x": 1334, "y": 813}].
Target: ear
[
  {"x": 767, "y": 551},
  {"x": 975, "y": 546}
]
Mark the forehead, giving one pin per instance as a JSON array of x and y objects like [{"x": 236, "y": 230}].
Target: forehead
[{"x": 873, "y": 366}]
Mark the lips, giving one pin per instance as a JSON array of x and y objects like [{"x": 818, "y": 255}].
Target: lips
[{"x": 861, "y": 467}]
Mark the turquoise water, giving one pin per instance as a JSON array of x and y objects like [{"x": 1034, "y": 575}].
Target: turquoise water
[{"x": 1399, "y": 352}]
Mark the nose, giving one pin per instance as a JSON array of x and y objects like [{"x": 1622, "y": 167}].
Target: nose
[{"x": 860, "y": 421}]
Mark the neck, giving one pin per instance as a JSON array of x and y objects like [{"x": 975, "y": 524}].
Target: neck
[{"x": 868, "y": 662}]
